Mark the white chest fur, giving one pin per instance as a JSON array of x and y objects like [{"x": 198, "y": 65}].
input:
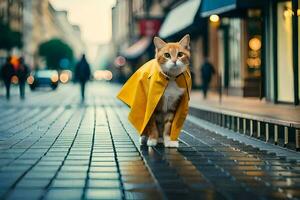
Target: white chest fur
[{"x": 171, "y": 95}]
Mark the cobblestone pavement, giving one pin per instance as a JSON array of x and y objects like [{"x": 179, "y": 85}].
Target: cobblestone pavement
[{"x": 53, "y": 147}]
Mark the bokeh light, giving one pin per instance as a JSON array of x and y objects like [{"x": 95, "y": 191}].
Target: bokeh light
[{"x": 214, "y": 18}]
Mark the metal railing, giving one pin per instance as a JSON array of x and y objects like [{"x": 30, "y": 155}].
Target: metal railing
[{"x": 279, "y": 132}]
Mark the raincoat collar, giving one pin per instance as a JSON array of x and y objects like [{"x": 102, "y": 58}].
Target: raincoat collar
[{"x": 142, "y": 95}]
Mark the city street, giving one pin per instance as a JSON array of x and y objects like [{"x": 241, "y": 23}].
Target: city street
[{"x": 54, "y": 147}]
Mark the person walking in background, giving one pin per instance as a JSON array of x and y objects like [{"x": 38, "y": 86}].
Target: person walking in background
[
  {"x": 207, "y": 71},
  {"x": 82, "y": 74},
  {"x": 7, "y": 71},
  {"x": 22, "y": 73}
]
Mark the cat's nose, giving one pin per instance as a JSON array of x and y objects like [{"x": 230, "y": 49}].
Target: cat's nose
[{"x": 174, "y": 61}]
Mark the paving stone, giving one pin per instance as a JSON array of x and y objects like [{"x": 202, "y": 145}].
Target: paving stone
[
  {"x": 71, "y": 175},
  {"x": 68, "y": 162},
  {"x": 49, "y": 163},
  {"x": 15, "y": 168},
  {"x": 104, "y": 194},
  {"x": 68, "y": 168},
  {"x": 143, "y": 194},
  {"x": 103, "y": 169},
  {"x": 91, "y": 151},
  {"x": 68, "y": 183},
  {"x": 102, "y": 159},
  {"x": 45, "y": 168},
  {"x": 96, "y": 183},
  {"x": 50, "y": 158},
  {"x": 104, "y": 175},
  {"x": 25, "y": 194},
  {"x": 40, "y": 175},
  {"x": 24, "y": 161},
  {"x": 3, "y": 191},
  {"x": 103, "y": 154},
  {"x": 78, "y": 157},
  {"x": 7, "y": 183},
  {"x": 131, "y": 186},
  {"x": 133, "y": 172},
  {"x": 33, "y": 183},
  {"x": 64, "y": 194},
  {"x": 137, "y": 179},
  {"x": 4, "y": 161},
  {"x": 104, "y": 164}
]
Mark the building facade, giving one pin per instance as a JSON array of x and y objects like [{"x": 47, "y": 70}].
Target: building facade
[
  {"x": 134, "y": 23},
  {"x": 285, "y": 27},
  {"x": 255, "y": 47},
  {"x": 41, "y": 23},
  {"x": 72, "y": 33},
  {"x": 11, "y": 15}
]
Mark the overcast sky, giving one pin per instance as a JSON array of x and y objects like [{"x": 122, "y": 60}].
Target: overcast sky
[{"x": 93, "y": 17}]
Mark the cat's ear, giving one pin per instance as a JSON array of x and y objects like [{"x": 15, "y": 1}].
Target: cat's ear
[
  {"x": 185, "y": 42},
  {"x": 159, "y": 43}
]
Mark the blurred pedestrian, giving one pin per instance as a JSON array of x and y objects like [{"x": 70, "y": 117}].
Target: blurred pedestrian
[
  {"x": 22, "y": 73},
  {"x": 82, "y": 74},
  {"x": 207, "y": 71},
  {"x": 7, "y": 72}
]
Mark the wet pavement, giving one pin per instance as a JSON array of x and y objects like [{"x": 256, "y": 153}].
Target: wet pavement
[{"x": 54, "y": 147}]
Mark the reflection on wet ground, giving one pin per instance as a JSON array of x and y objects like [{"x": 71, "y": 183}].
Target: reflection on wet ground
[
  {"x": 210, "y": 166},
  {"x": 65, "y": 150}
]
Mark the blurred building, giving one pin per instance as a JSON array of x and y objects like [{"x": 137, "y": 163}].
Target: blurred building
[
  {"x": 255, "y": 47},
  {"x": 104, "y": 57},
  {"x": 134, "y": 23},
  {"x": 41, "y": 23},
  {"x": 72, "y": 33},
  {"x": 235, "y": 33},
  {"x": 39, "y": 26},
  {"x": 253, "y": 44},
  {"x": 11, "y": 14}
]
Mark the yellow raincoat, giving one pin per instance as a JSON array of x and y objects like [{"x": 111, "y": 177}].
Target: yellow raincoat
[{"x": 143, "y": 91}]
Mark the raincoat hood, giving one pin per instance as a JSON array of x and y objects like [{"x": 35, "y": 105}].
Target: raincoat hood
[{"x": 143, "y": 91}]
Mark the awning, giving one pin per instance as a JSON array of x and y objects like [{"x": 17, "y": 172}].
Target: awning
[
  {"x": 137, "y": 49},
  {"x": 209, "y": 7},
  {"x": 179, "y": 18}
]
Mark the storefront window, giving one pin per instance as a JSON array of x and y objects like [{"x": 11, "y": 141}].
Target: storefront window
[
  {"x": 284, "y": 51},
  {"x": 254, "y": 36},
  {"x": 298, "y": 13},
  {"x": 235, "y": 56},
  {"x": 253, "y": 56}
]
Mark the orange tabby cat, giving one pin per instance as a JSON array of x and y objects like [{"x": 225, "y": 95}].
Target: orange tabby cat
[{"x": 173, "y": 59}]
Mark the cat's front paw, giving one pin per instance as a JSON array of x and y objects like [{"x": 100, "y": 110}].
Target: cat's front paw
[
  {"x": 151, "y": 142},
  {"x": 143, "y": 140},
  {"x": 170, "y": 143}
]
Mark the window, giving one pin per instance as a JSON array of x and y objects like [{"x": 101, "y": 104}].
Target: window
[
  {"x": 235, "y": 32},
  {"x": 284, "y": 51},
  {"x": 298, "y": 13}
]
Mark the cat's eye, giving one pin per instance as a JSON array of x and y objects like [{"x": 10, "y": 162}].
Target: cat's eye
[
  {"x": 180, "y": 54},
  {"x": 167, "y": 55}
]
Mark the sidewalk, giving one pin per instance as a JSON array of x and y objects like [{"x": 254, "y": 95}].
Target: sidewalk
[
  {"x": 252, "y": 106},
  {"x": 52, "y": 147}
]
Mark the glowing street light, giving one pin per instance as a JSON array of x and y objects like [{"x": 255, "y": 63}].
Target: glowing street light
[{"x": 214, "y": 18}]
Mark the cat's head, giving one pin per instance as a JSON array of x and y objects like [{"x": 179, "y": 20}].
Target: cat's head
[{"x": 173, "y": 58}]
